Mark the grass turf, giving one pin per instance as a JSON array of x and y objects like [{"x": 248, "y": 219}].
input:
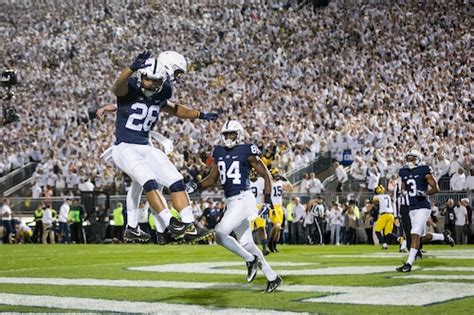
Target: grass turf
[{"x": 112, "y": 261}]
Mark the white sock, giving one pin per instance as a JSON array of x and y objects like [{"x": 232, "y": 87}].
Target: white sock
[
  {"x": 266, "y": 269},
  {"x": 411, "y": 255},
  {"x": 165, "y": 214},
  {"x": 231, "y": 244},
  {"x": 132, "y": 220},
  {"x": 186, "y": 215},
  {"x": 160, "y": 224},
  {"x": 437, "y": 237}
]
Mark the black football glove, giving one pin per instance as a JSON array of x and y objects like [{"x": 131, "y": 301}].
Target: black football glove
[
  {"x": 208, "y": 116},
  {"x": 140, "y": 61}
]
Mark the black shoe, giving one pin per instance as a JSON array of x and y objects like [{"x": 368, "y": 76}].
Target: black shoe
[
  {"x": 419, "y": 254},
  {"x": 177, "y": 228},
  {"x": 195, "y": 234},
  {"x": 448, "y": 238},
  {"x": 270, "y": 247},
  {"x": 135, "y": 235},
  {"x": 405, "y": 268},
  {"x": 165, "y": 238},
  {"x": 272, "y": 285},
  {"x": 265, "y": 253},
  {"x": 252, "y": 269}
]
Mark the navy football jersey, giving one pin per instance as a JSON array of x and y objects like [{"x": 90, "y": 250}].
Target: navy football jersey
[
  {"x": 415, "y": 179},
  {"x": 137, "y": 114},
  {"x": 234, "y": 168}
]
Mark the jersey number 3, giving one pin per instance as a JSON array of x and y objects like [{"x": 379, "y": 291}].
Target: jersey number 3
[
  {"x": 232, "y": 173},
  {"x": 143, "y": 117}
]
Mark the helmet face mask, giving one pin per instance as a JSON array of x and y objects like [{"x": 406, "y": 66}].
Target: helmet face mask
[
  {"x": 152, "y": 78},
  {"x": 174, "y": 63},
  {"x": 413, "y": 158},
  {"x": 232, "y": 133}
]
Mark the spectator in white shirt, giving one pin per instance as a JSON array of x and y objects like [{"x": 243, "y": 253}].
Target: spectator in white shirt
[
  {"x": 304, "y": 186},
  {"x": 48, "y": 225},
  {"x": 458, "y": 180},
  {"x": 461, "y": 220},
  {"x": 6, "y": 216},
  {"x": 469, "y": 184},
  {"x": 441, "y": 166},
  {"x": 341, "y": 175},
  {"x": 373, "y": 176},
  {"x": 455, "y": 165},
  {"x": 64, "y": 230},
  {"x": 298, "y": 212},
  {"x": 314, "y": 184},
  {"x": 336, "y": 220}
]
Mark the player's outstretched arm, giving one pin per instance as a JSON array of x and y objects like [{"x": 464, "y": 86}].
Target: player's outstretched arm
[
  {"x": 110, "y": 108},
  {"x": 120, "y": 87},
  {"x": 182, "y": 111},
  {"x": 207, "y": 182}
]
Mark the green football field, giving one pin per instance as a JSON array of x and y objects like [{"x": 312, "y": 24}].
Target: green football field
[{"x": 190, "y": 279}]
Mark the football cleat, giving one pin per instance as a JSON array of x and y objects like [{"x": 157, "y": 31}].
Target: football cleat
[
  {"x": 177, "y": 228},
  {"x": 405, "y": 268},
  {"x": 166, "y": 238},
  {"x": 195, "y": 234},
  {"x": 265, "y": 253},
  {"x": 272, "y": 285},
  {"x": 448, "y": 238},
  {"x": 135, "y": 235},
  {"x": 252, "y": 269},
  {"x": 419, "y": 254}
]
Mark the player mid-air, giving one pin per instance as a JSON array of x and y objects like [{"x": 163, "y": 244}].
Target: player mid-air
[
  {"x": 418, "y": 180},
  {"x": 140, "y": 99},
  {"x": 231, "y": 167}
]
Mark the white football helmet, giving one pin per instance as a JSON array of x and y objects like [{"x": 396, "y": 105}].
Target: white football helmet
[
  {"x": 413, "y": 162},
  {"x": 232, "y": 126},
  {"x": 155, "y": 71},
  {"x": 174, "y": 63}
]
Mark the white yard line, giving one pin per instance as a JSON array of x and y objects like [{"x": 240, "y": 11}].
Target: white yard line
[
  {"x": 426, "y": 292},
  {"x": 88, "y": 304}
]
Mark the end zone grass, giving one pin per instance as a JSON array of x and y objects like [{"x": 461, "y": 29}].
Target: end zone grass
[{"x": 112, "y": 261}]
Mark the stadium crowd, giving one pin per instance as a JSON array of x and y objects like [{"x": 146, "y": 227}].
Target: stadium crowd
[{"x": 374, "y": 78}]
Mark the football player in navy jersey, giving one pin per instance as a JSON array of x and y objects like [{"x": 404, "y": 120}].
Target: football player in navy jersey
[
  {"x": 231, "y": 167},
  {"x": 140, "y": 99},
  {"x": 419, "y": 182}
]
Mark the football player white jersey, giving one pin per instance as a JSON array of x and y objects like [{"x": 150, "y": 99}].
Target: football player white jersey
[
  {"x": 257, "y": 188},
  {"x": 385, "y": 203},
  {"x": 277, "y": 192}
]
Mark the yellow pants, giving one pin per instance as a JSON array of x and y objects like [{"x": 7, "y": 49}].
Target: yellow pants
[
  {"x": 276, "y": 214},
  {"x": 385, "y": 223},
  {"x": 259, "y": 222}
]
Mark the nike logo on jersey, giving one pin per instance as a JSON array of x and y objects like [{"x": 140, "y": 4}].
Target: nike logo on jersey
[
  {"x": 416, "y": 176},
  {"x": 234, "y": 157}
]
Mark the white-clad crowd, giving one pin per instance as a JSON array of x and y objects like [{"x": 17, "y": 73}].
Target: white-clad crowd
[{"x": 378, "y": 79}]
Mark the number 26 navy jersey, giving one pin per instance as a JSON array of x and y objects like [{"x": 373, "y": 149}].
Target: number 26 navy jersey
[
  {"x": 137, "y": 114},
  {"x": 234, "y": 168}
]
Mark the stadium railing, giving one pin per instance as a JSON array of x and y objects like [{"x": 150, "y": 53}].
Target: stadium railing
[{"x": 16, "y": 177}]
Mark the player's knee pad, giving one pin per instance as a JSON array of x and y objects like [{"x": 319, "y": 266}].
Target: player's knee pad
[
  {"x": 177, "y": 186},
  {"x": 150, "y": 185}
]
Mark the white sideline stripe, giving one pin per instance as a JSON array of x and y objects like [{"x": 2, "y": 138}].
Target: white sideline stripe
[
  {"x": 437, "y": 277},
  {"x": 449, "y": 269},
  {"x": 89, "y": 304}
]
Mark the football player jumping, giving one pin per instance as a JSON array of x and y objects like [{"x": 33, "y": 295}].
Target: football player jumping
[
  {"x": 416, "y": 178},
  {"x": 231, "y": 167},
  {"x": 140, "y": 99}
]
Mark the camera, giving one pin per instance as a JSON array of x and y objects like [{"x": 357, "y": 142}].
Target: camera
[{"x": 9, "y": 79}]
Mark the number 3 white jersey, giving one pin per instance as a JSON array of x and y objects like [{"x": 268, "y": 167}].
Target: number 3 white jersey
[
  {"x": 257, "y": 188},
  {"x": 277, "y": 192},
  {"x": 385, "y": 203}
]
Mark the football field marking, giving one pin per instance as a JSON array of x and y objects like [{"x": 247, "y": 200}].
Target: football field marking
[
  {"x": 88, "y": 304},
  {"x": 219, "y": 268},
  {"x": 440, "y": 254},
  {"x": 426, "y": 292}
]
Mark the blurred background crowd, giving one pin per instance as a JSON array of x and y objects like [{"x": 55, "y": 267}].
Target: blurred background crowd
[{"x": 373, "y": 77}]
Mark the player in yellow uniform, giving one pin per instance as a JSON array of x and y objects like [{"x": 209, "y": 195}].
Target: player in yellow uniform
[
  {"x": 279, "y": 185},
  {"x": 386, "y": 218},
  {"x": 257, "y": 185}
]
